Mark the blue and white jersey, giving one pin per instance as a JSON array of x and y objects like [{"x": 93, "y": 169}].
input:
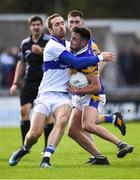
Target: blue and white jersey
[{"x": 56, "y": 75}]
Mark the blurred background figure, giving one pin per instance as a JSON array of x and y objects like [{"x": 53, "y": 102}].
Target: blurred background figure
[
  {"x": 125, "y": 67},
  {"x": 135, "y": 56},
  {"x": 30, "y": 64},
  {"x": 129, "y": 66},
  {"x": 8, "y": 59}
]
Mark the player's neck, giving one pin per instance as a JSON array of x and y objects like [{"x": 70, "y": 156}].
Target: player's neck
[
  {"x": 36, "y": 37},
  {"x": 81, "y": 50},
  {"x": 60, "y": 38}
]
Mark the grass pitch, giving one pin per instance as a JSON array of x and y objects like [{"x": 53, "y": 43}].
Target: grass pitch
[{"x": 69, "y": 158}]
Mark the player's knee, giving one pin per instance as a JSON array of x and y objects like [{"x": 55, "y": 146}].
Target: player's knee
[
  {"x": 89, "y": 127},
  {"x": 72, "y": 133},
  {"x": 61, "y": 122},
  {"x": 33, "y": 135}
]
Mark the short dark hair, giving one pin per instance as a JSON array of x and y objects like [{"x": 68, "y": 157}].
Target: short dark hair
[
  {"x": 83, "y": 31},
  {"x": 75, "y": 13},
  {"x": 35, "y": 18},
  {"x": 48, "y": 23}
]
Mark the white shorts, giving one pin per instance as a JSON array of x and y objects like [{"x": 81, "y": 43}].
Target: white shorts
[
  {"x": 48, "y": 102},
  {"x": 97, "y": 102}
]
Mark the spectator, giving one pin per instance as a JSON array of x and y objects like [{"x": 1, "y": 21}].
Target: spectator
[
  {"x": 135, "y": 56},
  {"x": 7, "y": 62},
  {"x": 125, "y": 66}
]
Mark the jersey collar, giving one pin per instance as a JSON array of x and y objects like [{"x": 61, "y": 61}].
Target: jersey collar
[
  {"x": 58, "y": 40},
  {"x": 38, "y": 39},
  {"x": 82, "y": 50}
]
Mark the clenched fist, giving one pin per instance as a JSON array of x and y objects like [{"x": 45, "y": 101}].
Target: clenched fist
[{"x": 36, "y": 49}]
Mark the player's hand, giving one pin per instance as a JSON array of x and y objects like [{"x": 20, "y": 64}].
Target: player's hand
[
  {"x": 13, "y": 89},
  {"x": 72, "y": 89},
  {"x": 108, "y": 56},
  {"x": 36, "y": 49}
]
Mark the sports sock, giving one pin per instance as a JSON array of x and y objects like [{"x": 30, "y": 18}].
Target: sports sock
[
  {"x": 48, "y": 128},
  {"x": 107, "y": 118},
  {"x": 49, "y": 151},
  {"x": 26, "y": 147},
  {"x": 24, "y": 126}
]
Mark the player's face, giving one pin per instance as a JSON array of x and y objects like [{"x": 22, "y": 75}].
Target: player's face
[
  {"x": 36, "y": 28},
  {"x": 75, "y": 42},
  {"x": 58, "y": 27},
  {"x": 74, "y": 21}
]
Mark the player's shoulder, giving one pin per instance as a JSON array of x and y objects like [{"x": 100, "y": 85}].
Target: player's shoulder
[
  {"x": 46, "y": 37},
  {"x": 51, "y": 45},
  {"x": 92, "y": 40},
  {"x": 26, "y": 40},
  {"x": 54, "y": 43},
  {"x": 93, "y": 45}
]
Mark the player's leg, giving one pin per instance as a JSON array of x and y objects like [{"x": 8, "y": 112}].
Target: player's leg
[
  {"x": 48, "y": 128},
  {"x": 40, "y": 113},
  {"x": 27, "y": 96},
  {"x": 76, "y": 132},
  {"x": 61, "y": 114},
  {"x": 82, "y": 138},
  {"x": 89, "y": 125},
  {"x": 36, "y": 129},
  {"x": 115, "y": 118},
  {"x": 38, "y": 122},
  {"x": 90, "y": 116},
  {"x": 25, "y": 119}
]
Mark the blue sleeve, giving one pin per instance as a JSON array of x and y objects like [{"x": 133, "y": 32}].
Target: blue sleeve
[{"x": 77, "y": 62}]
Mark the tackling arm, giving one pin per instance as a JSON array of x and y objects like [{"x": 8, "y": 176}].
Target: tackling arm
[
  {"x": 83, "y": 62},
  {"x": 78, "y": 62}
]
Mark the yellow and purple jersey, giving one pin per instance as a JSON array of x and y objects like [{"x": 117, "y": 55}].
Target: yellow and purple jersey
[{"x": 89, "y": 50}]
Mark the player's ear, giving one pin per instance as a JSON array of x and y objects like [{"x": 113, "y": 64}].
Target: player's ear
[
  {"x": 50, "y": 30},
  {"x": 84, "y": 43}
]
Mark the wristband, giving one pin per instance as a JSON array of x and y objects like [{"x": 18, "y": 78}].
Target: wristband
[{"x": 100, "y": 57}]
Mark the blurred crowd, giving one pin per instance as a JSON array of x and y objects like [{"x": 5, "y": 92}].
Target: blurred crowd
[
  {"x": 8, "y": 61},
  {"x": 128, "y": 66}
]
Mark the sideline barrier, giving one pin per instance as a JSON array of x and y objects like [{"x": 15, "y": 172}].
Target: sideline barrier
[
  {"x": 10, "y": 115},
  {"x": 9, "y": 112}
]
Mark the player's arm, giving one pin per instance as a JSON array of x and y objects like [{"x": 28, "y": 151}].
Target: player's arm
[
  {"x": 83, "y": 62},
  {"x": 18, "y": 72},
  {"x": 93, "y": 87},
  {"x": 36, "y": 49},
  {"x": 101, "y": 66}
]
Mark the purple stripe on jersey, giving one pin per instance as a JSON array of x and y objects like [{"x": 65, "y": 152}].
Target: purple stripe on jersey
[
  {"x": 53, "y": 65},
  {"x": 94, "y": 104}
]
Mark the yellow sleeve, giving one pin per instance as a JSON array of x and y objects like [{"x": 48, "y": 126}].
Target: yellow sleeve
[{"x": 95, "y": 48}]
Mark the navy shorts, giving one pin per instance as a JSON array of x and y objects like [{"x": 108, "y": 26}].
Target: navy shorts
[{"x": 28, "y": 93}]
